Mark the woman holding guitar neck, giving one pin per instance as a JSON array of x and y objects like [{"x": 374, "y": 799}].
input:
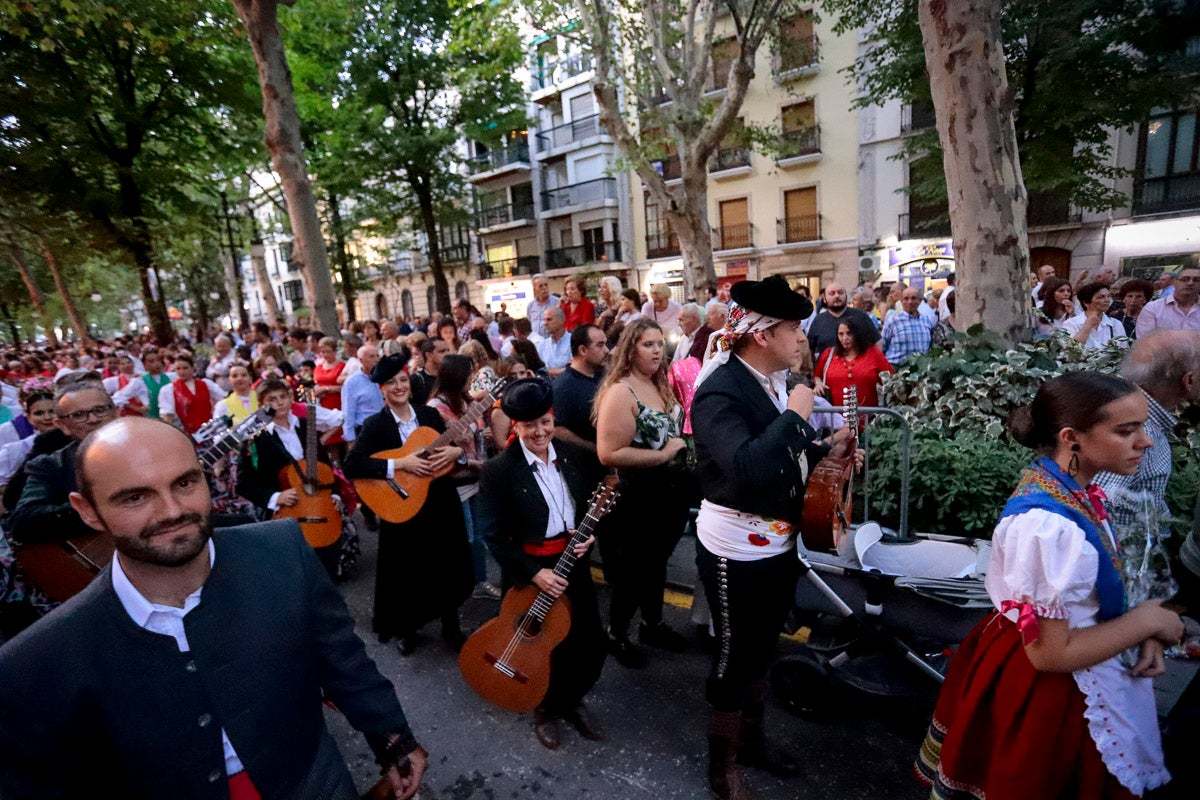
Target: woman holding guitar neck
[
  {"x": 423, "y": 571},
  {"x": 534, "y": 495},
  {"x": 280, "y": 446}
]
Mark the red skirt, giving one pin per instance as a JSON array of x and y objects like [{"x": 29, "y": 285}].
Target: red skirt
[{"x": 1002, "y": 730}]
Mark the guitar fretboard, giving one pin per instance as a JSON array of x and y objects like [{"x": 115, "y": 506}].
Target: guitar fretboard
[
  {"x": 465, "y": 424},
  {"x": 566, "y": 562}
]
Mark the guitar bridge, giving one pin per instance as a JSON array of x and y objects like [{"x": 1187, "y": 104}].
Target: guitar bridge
[{"x": 505, "y": 669}]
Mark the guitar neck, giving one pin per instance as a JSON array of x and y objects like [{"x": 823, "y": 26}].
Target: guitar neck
[
  {"x": 217, "y": 449},
  {"x": 463, "y": 425},
  {"x": 310, "y": 446},
  {"x": 566, "y": 562}
]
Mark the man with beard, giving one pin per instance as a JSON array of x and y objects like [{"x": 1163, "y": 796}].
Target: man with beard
[
  {"x": 823, "y": 331},
  {"x": 195, "y": 664}
]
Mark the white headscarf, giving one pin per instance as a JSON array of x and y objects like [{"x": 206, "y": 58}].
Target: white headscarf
[{"x": 720, "y": 343}]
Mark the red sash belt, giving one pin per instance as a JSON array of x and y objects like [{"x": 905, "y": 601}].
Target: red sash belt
[
  {"x": 550, "y": 547},
  {"x": 242, "y": 788}
]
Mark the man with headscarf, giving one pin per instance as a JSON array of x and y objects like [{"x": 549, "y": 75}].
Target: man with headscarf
[
  {"x": 755, "y": 448},
  {"x": 535, "y": 495}
]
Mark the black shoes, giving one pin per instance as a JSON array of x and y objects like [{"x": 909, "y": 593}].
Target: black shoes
[
  {"x": 548, "y": 729},
  {"x": 663, "y": 637},
  {"x": 582, "y": 721},
  {"x": 626, "y": 652}
]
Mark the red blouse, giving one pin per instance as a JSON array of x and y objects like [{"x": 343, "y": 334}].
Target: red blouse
[
  {"x": 584, "y": 313},
  {"x": 863, "y": 373}
]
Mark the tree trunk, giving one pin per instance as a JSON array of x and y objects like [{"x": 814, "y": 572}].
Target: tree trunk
[
  {"x": 964, "y": 56},
  {"x": 441, "y": 287},
  {"x": 339, "y": 242},
  {"x": 35, "y": 294},
  {"x": 78, "y": 321},
  {"x": 6, "y": 312},
  {"x": 233, "y": 272},
  {"x": 691, "y": 226},
  {"x": 287, "y": 154},
  {"x": 258, "y": 263},
  {"x": 138, "y": 242}
]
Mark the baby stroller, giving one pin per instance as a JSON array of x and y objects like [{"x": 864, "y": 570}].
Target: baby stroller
[{"x": 885, "y": 612}]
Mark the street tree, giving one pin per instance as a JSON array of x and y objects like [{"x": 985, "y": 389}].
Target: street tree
[
  {"x": 110, "y": 108},
  {"x": 285, "y": 144},
  {"x": 671, "y": 76}
]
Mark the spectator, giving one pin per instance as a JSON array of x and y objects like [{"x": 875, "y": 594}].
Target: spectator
[
  {"x": 447, "y": 331},
  {"x": 1176, "y": 311},
  {"x": 692, "y": 333},
  {"x": 942, "y": 335},
  {"x": 577, "y": 309},
  {"x": 822, "y": 333},
  {"x": 535, "y": 312},
  {"x": 1135, "y": 294},
  {"x": 662, "y": 309},
  {"x": 1094, "y": 328},
  {"x": 627, "y": 308},
  {"x": 575, "y": 388},
  {"x": 905, "y": 331},
  {"x": 1058, "y": 306},
  {"x": 463, "y": 318},
  {"x": 943, "y": 310},
  {"x": 609, "y": 298},
  {"x": 555, "y": 349},
  {"x": 853, "y": 361},
  {"x": 1044, "y": 273},
  {"x": 360, "y": 397}
]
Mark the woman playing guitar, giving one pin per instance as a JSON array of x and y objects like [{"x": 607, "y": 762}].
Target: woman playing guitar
[{"x": 282, "y": 446}]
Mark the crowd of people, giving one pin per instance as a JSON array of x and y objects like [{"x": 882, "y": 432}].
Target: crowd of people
[{"x": 712, "y": 405}]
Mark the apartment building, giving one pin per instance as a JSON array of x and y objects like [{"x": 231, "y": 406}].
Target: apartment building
[{"x": 792, "y": 213}]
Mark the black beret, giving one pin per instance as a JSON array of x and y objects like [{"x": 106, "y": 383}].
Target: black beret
[
  {"x": 527, "y": 399},
  {"x": 771, "y": 297},
  {"x": 388, "y": 367}
]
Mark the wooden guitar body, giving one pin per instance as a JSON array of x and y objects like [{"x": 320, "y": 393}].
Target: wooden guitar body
[
  {"x": 509, "y": 670},
  {"x": 825, "y": 522},
  {"x": 63, "y": 569},
  {"x": 317, "y": 513},
  {"x": 399, "y": 499}
]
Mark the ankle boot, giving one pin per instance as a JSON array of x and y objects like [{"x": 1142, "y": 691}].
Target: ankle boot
[
  {"x": 724, "y": 777},
  {"x": 753, "y": 750}
]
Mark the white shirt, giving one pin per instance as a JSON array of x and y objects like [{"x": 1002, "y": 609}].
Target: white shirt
[
  {"x": 406, "y": 428},
  {"x": 326, "y": 418},
  {"x": 667, "y": 319},
  {"x": 166, "y": 395},
  {"x": 943, "y": 308},
  {"x": 218, "y": 368},
  {"x": 1107, "y": 330},
  {"x": 775, "y": 386},
  {"x": 550, "y": 480},
  {"x": 168, "y": 621},
  {"x": 556, "y": 354},
  {"x": 136, "y": 390}
]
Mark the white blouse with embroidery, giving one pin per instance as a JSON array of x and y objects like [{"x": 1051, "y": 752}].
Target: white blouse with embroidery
[{"x": 1044, "y": 559}]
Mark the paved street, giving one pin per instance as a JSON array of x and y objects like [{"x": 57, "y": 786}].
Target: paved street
[{"x": 654, "y": 721}]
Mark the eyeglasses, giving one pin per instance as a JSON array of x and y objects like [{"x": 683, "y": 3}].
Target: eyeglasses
[
  {"x": 84, "y": 414},
  {"x": 1189, "y": 279}
]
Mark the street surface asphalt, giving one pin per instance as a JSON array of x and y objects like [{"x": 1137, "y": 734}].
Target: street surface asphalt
[{"x": 653, "y": 719}]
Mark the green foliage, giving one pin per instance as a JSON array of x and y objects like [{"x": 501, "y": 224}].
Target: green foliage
[
  {"x": 964, "y": 467},
  {"x": 1076, "y": 69}
]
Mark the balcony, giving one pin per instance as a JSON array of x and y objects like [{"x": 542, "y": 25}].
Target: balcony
[
  {"x": 662, "y": 245},
  {"x": 805, "y": 228},
  {"x": 800, "y": 146},
  {"x": 503, "y": 215},
  {"x": 568, "y": 133},
  {"x": 1048, "y": 210},
  {"x": 546, "y": 76},
  {"x": 1167, "y": 195},
  {"x": 735, "y": 237},
  {"x": 796, "y": 58},
  {"x": 578, "y": 194},
  {"x": 508, "y": 267},
  {"x": 581, "y": 255},
  {"x": 924, "y": 226},
  {"x": 669, "y": 168},
  {"x": 456, "y": 252},
  {"x": 730, "y": 162},
  {"x": 917, "y": 117},
  {"x": 515, "y": 156}
]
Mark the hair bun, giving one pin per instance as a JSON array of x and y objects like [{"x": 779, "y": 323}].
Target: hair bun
[{"x": 1020, "y": 426}]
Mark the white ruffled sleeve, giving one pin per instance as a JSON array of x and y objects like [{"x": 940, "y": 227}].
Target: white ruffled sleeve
[{"x": 1044, "y": 559}]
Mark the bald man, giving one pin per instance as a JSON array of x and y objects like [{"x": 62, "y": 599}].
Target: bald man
[{"x": 194, "y": 666}]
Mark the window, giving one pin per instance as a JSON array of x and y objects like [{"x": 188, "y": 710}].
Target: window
[
  {"x": 293, "y": 291},
  {"x": 797, "y": 43},
  {"x": 593, "y": 244},
  {"x": 724, "y": 53},
  {"x": 522, "y": 200},
  {"x": 461, "y": 291},
  {"x": 1168, "y": 169},
  {"x": 431, "y": 299},
  {"x": 927, "y": 216},
  {"x": 660, "y": 240},
  {"x": 735, "y": 224},
  {"x": 406, "y": 304},
  {"x": 801, "y": 223},
  {"x": 800, "y": 132}
]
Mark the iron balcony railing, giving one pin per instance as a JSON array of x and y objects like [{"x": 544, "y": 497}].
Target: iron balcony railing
[
  {"x": 495, "y": 159},
  {"x": 801, "y": 142},
  {"x": 735, "y": 237},
  {"x": 573, "y": 131},
  {"x": 729, "y": 158},
  {"x": 579, "y": 255},
  {"x": 794, "y": 54},
  {"x": 924, "y": 226},
  {"x": 503, "y": 214},
  {"x": 662, "y": 245},
  {"x": 593, "y": 191},
  {"x": 1172, "y": 193},
  {"x": 507, "y": 267},
  {"x": 806, "y": 228},
  {"x": 558, "y": 71}
]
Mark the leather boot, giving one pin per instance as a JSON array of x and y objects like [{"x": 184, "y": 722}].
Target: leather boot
[
  {"x": 724, "y": 777},
  {"x": 753, "y": 750}
]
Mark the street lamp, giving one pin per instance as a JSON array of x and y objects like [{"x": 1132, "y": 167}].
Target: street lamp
[{"x": 96, "y": 297}]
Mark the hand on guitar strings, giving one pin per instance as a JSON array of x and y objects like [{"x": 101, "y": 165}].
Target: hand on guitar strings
[
  {"x": 548, "y": 582},
  {"x": 842, "y": 435},
  {"x": 582, "y": 548},
  {"x": 287, "y": 498}
]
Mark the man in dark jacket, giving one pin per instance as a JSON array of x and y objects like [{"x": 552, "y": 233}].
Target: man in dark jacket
[{"x": 195, "y": 665}]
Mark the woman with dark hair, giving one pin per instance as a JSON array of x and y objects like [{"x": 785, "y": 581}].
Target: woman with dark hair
[
  {"x": 17, "y": 435},
  {"x": 450, "y": 398},
  {"x": 447, "y": 331},
  {"x": 1058, "y": 306},
  {"x": 1133, "y": 295},
  {"x": 526, "y": 352},
  {"x": 1037, "y": 702},
  {"x": 853, "y": 361},
  {"x": 638, "y": 431},
  {"x": 1094, "y": 328}
]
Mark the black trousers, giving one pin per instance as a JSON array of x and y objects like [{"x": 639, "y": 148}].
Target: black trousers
[
  {"x": 576, "y": 663},
  {"x": 637, "y": 539},
  {"x": 750, "y": 602}
]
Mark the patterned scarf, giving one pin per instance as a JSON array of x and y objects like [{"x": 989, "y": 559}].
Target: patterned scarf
[
  {"x": 720, "y": 343},
  {"x": 1045, "y": 486}
]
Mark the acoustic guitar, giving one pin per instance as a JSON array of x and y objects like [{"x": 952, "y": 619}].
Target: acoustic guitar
[
  {"x": 507, "y": 661},
  {"x": 399, "y": 498},
  {"x": 62, "y": 569},
  {"x": 315, "y": 510},
  {"x": 825, "y": 521}
]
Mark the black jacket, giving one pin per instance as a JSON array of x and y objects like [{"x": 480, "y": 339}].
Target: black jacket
[
  {"x": 92, "y": 700},
  {"x": 44, "y": 512},
  {"x": 513, "y": 510},
  {"x": 262, "y": 459},
  {"x": 748, "y": 453}
]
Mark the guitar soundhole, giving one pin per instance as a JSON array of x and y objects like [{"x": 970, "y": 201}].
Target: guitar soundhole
[{"x": 527, "y": 626}]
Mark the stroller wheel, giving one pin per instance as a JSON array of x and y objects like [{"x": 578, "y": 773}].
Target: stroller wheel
[{"x": 802, "y": 685}]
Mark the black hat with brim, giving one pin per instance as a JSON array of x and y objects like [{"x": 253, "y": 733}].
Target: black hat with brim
[
  {"x": 771, "y": 297},
  {"x": 388, "y": 368},
  {"x": 527, "y": 399}
]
